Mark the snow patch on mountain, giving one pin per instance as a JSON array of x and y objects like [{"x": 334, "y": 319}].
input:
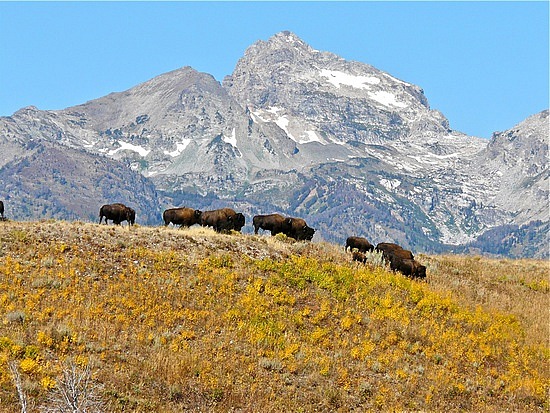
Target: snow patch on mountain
[
  {"x": 386, "y": 99},
  {"x": 232, "y": 140},
  {"x": 310, "y": 136},
  {"x": 390, "y": 184},
  {"x": 128, "y": 146},
  {"x": 283, "y": 121},
  {"x": 180, "y": 147},
  {"x": 338, "y": 78}
]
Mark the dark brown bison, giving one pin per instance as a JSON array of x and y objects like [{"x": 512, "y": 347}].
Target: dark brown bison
[
  {"x": 223, "y": 220},
  {"x": 2, "y": 209},
  {"x": 408, "y": 267},
  {"x": 184, "y": 217},
  {"x": 117, "y": 213},
  {"x": 388, "y": 248},
  {"x": 401, "y": 260},
  {"x": 275, "y": 223},
  {"x": 299, "y": 230},
  {"x": 359, "y": 256},
  {"x": 131, "y": 213},
  {"x": 360, "y": 243}
]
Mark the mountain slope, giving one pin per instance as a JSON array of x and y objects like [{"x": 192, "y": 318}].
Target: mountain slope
[{"x": 53, "y": 181}]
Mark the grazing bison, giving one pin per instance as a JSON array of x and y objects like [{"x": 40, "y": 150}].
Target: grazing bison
[
  {"x": 401, "y": 260},
  {"x": 117, "y": 213},
  {"x": 2, "y": 210},
  {"x": 223, "y": 220},
  {"x": 359, "y": 256},
  {"x": 275, "y": 223},
  {"x": 360, "y": 243},
  {"x": 408, "y": 267},
  {"x": 299, "y": 230},
  {"x": 184, "y": 217},
  {"x": 387, "y": 249}
]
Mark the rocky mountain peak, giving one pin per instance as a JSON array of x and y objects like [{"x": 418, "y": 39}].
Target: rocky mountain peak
[
  {"x": 284, "y": 40},
  {"x": 515, "y": 162},
  {"x": 527, "y": 141},
  {"x": 153, "y": 98},
  {"x": 282, "y": 47},
  {"x": 335, "y": 100}
]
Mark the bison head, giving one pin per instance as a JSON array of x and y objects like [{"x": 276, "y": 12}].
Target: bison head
[
  {"x": 130, "y": 215},
  {"x": 197, "y": 215},
  {"x": 238, "y": 221},
  {"x": 305, "y": 233},
  {"x": 419, "y": 271},
  {"x": 308, "y": 233}
]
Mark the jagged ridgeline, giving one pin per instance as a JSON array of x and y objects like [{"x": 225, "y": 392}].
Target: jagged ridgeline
[{"x": 348, "y": 147}]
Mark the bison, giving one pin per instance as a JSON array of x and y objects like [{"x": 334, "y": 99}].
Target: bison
[
  {"x": 117, "y": 213},
  {"x": 299, "y": 230},
  {"x": 2, "y": 210},
  {"x": 223, "y": 220},
  {"x": 387, "y": 249},
  {"x": 401, "y": 260},
  {"x": 360, "y": 243},
  {"x": 408, "y": 267},
  {"x": 275, "y": 223},
  {"x": 359, "y": 256},
  {"x": 184, "y": 217}
]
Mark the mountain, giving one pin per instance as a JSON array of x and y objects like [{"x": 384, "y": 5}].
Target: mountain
[
  {"x": 517, "y": 160},
  {"x": 52, "y": 181},
  {"x": 295, "y": 130}
]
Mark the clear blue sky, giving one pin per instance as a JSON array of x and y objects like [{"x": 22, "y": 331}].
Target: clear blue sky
[{"x": 483, "y": 64}]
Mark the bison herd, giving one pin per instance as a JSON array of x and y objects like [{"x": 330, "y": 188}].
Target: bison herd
[
  {"x": 221, "y": 220},
  {"x": 226, "y": 220}
]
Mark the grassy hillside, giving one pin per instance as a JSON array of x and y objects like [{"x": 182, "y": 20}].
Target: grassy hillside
[{"x": 169, "y": 320}]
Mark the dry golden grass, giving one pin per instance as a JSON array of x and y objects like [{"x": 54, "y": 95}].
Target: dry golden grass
[
  {"x": 175, "y": 320},
  {"x": 517, "y": 287}
]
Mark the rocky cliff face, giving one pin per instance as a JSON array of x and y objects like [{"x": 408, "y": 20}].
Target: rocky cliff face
[
  {"x": 295, "y": 130},
  {"x": 516, "y": 163}
]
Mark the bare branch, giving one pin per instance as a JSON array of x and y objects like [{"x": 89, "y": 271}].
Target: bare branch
[
  {"x": 75, "y": 393},
  {"x": 12, "y": 365}
]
